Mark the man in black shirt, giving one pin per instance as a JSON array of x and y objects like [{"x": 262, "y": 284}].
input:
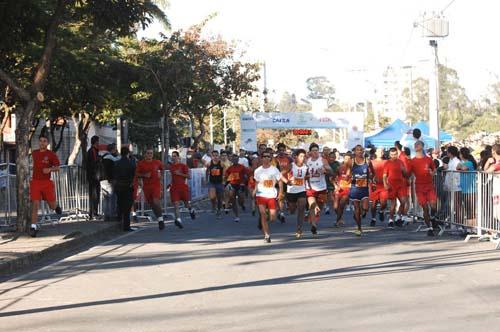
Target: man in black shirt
[
  {"x": 123, "y": 178},
  {"x": 93, "y": 159},
  {"x": 215, "y": 172}
]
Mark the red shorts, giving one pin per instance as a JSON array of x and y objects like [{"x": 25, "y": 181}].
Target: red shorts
[
  {"x": 321, "y": 196},
  {"x": 398, "y": 190},
  {"x": 179, "y": 193},
  {"x": 270, "y": 203},
  {"x": 380, "y": 194},
  {"x": 151, "y": 193},
  {"x": 425, "y": 194},
  {"x": 343, "y": 192},
  {"x": 42, "y": 190}
]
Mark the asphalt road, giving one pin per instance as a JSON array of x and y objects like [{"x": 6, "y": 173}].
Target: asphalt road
[{"x": 217, "y": 275}]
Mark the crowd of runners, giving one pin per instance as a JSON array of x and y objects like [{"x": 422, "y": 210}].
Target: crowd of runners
[{"x": 278, "y": 183}]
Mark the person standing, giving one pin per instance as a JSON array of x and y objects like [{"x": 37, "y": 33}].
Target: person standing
[
  {"x": 266, "y": 178},
  {"x": 93, "y": 160},
  {"x": 107, "y": 192},
  {"x": 452, "y": 182},
  {"x": 123, "y": 178},
  {"x": 149, "y": 170},
  {"x": 41, "y": 186},
  {"x": 179, "y": 190}
]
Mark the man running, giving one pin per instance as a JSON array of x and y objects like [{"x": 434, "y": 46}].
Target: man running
[
  {"x": 316, "y": 190},
  {"x": 424, "y": 168},
  {"x": 236, "y": 176},
  {"x": 41, "y": 187},
  {"x": 377, "y": 190},
  {"x": 284, "y": 161},
  {"x": 215, "y": 172},
  {"x": 179, "y": 190},
  {"x": 254, "y": 164},
  {"x": 342, "y": 188},
  {"x": 359, "y": 193},
  {"x": 266, "y": 178},
  {"x": 330, "y": 180},
  {"x": 149, "y": 170},
  {"x": 395, "y": 183},
  {"x": 295, "y": 178},
  {"x": 226, "y": 163},
  {"x": 404, "y": 154}
]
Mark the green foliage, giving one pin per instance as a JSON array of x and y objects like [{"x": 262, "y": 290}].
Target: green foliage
[{"x": 320, "y": 88}]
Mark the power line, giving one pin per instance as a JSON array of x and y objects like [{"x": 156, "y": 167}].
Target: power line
[{"x": 447, "y": 6}]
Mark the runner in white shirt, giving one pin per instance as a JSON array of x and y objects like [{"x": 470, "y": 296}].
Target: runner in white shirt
[
  {"x": 295, "y": 178},
  {"x": 317, "y": 193},
  {"x": 266, "y": 178}
]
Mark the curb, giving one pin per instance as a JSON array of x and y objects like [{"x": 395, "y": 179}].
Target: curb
[{"x": 22, "y": 263}]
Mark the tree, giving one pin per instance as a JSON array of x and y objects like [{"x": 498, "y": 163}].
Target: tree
[
  {"x": 320, "y": 88},
  {"x": 37, "y": 26}
]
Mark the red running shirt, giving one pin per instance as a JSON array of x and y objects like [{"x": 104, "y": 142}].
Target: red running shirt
[
  {"x": 178, "y": 180},
  {"x": 153, "y": 167},
  {"x": 393, "y": 169},
  {"x": 235, "y": 174},
  {"x": 43, "y": 160},
  {"x": 378, "y": 168},
  {"x": 406, "y": 161},
  {"x": 423, "y": 169}
]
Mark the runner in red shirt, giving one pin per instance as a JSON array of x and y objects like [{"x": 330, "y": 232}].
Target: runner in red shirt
[
  {"x": 423, "y": 168},
  {"x": 41, "y": 186},
  {"x": 179, "y": 190},
  {"x": 342, "y": 188},
  {"x": 149, "y": 170},
  {"x": 395, "y": 183},
  {"x": 404, "y": 154},
  {"x": 236, "y": 176},
  {"x": 377, "y": 190}
]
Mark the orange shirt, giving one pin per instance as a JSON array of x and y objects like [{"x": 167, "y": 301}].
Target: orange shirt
[{"x": 153, "y": 167}]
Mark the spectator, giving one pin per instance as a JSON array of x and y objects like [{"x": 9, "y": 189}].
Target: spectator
[
  {"x": 493, "y": 164},
  {"x": 243, "y": 160},
  {"x": 193, "y": 158},
  {"x": 107, "y": 192},
  {"x": 452, "y": 180},
  {"x": 485, "y": 155},
  {"x": 93, "y": 160},
  {"x": 468, "y": 178},
  {"x": 124, "y": 171},
  {"x": 409, "y": 142}
]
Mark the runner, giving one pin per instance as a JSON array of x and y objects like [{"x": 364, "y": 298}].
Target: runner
[
  {"x": 316, "y": 185},
  {"x": 251, "y": 181},
  {"x": 226, "y": 163},
  {"x": 423, "y": 168},
  {"x": 359, "y": 193},
  {"x": 266, "y": 177},
  {"x": 215, "y": 171},
  {"x": 330, "y": 180},
  {"x": 149, "y": 171},
  {"x": 236, "y": 176},
  {"x": 179, "y": 190},
  {"x": 41, "y": 186},
  {"x": 396, "y": 185},
  {"x": 404, "y": 154},
  {"x": 342, "y": 188},
  {"x": 284, "y": 161},
  {"x": 295, "y": 178},
  {"x": 377, "y": 190}
]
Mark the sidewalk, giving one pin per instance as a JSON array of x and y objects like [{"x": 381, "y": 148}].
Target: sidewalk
[{"x": 20, "y": 252}]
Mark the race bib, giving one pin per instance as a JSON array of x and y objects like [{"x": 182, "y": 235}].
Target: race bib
[
  {"x": 233, "y": 177},
  {"x": 361, "y": 183},
  {"x": 215, "y": 172},
  {"x": 298, "y": 182},
  {"x": 268, "y": 183},
  {"x": 345, "y": 183}
]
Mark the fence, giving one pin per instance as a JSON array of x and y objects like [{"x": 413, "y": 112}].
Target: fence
[{"x": 72, "y": 194}]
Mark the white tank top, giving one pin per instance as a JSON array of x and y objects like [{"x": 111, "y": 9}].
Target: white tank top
[
  {"x": 317, "y": 178},
  {"x": 299, "y": 183}
]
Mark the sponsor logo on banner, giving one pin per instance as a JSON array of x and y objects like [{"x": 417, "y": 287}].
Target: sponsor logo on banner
[{"x": 281, "y": 120}]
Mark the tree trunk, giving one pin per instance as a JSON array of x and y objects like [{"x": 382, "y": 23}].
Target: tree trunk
[
  {"x": 203, "y": 131},
  {"x": 57, "y": 145},
  {"x": 24, "y": 116},
  {"x": 82, "y": 126}
]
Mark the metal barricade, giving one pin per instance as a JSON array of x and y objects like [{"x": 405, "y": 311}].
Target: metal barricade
[{"x": 8, "y": 204}]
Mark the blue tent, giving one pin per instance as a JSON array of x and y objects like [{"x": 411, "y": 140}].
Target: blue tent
[
  {"x": 387, "y": 136},
  {"x": 424, "y": 128}
]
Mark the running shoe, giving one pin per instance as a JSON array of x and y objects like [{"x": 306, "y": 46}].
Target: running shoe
[
  {"x": 267, "y": 238},
  {"x": 339, "y": 223},
  {"x": 161, "y": 224},
  {"x": 282, "y": 217},
  {"x": 381, "y": 216},
  {"x": 226, "y": 211},
  {"x": 298, "y": 234},
  {"x": 34, "y": 230},
  {"x": 58, "y": 210},
  {"x": 178, "y": 223},
  {"x": 430, "y": 232},
  {"x": 373, "y": 222},
  {"x": 314, "y": 229},
  {"x": 399, "y": 223},
  {"x": 435, "y": 223},
  {"x": 358, "y": 232},
  {"x": 390, "y": 224},
  {"x": 236, "y": 219},
  {"x": 192, "y": 213},
  {"x": 327, "y": 211}
]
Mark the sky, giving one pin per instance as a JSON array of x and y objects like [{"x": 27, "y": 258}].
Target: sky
[{"x": 349, "y": 41}]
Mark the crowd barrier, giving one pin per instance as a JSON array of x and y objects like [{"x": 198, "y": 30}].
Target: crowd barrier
[{"x": 72, "y": 194}]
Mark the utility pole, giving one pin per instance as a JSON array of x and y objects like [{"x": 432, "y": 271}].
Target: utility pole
[
  {"x": 225, "y": 127},
  {"x": 211, "y": 130}
]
